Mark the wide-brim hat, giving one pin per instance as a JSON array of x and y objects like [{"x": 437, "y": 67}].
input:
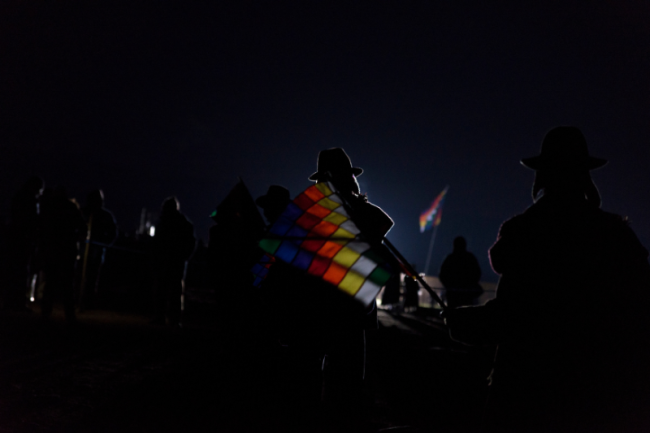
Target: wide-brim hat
[
  {"x": 334, "y": 161},
  {"x": 276, "y": 196},
  {"x": 564, "y": 148}
]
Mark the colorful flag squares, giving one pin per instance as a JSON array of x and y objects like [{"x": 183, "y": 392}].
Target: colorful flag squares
[
  {"x": 261, "y": 269},
  {"x": 315, "y": 234},
  {"x": 432, "y": 216}
]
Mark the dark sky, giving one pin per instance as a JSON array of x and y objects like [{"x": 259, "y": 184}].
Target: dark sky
[{"x": 148, "y": 99}]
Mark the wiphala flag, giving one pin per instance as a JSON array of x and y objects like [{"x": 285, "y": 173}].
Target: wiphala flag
[{"x": 316, "y": 234}]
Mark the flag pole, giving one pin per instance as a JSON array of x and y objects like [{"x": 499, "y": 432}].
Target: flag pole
[
  {"x": 417, "y": 276},
  {"x": 433, "y": 239},
  {"x": 400, "y": 258}
]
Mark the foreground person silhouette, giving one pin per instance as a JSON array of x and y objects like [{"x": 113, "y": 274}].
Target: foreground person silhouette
[
  {"x": 571, "y": 313},
  {"x": 344, "y": 323}
]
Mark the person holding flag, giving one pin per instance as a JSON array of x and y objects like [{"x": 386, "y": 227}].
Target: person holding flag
[
  {"x": 345, "y": 322},
  {"x": 336, "y": 238}
]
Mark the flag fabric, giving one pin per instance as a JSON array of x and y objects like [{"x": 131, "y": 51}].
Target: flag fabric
[
  {"x": 261, "y": 269},
  {"x": 316, "y": 234},
  {"x": 432, "y": 216}
]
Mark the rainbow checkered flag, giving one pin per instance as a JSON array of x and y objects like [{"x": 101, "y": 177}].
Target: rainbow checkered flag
[
  {"x": 315, "y": 234},
  {"x": 432, "y": 216}
]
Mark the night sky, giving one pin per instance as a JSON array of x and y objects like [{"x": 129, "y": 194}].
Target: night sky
[{"x": 149, "y": 99}]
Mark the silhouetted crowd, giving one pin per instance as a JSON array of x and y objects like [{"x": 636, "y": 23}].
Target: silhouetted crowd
[
  {"x": 569, "y": 322},
  {"x": 55, "y": 251}
]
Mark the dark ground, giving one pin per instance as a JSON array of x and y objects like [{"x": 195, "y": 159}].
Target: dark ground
[{"x": 114, "y": 372}]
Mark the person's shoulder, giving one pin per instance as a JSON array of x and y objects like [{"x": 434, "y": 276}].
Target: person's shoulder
[
  {"x": 188, "y": 225},
  {"x": 619, "y": 227},
  {"x": 373, "y": 212},
  {"x": 612, "y": 218},
  {"x": 361, "y": 203},
  {"x": 515, "y": 224}
]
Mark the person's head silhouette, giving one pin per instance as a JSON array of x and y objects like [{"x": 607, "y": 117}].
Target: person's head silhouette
[
  {"x": 460, "y": 244},
  {"x": 563, "y": 165},
  {"x": 274, "y": 202},
  {"x": 334, "y": 165},
  {"x": 170, "y": 206}
]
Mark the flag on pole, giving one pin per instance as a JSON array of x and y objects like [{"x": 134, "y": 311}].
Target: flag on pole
[
  {"x": 433, "y": 215},
  {"x": 315, "y": 234}
]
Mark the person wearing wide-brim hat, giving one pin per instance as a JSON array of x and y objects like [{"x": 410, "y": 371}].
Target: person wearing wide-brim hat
[
  {"x": 564, "y": 148},
  {"x": 563, "y": 165},
  {"x": 334, "y": 162},
  {"x": 334, "y": 165},
  {"x": 274, "y": 202},
  {"x": 344, "y": 322},
  {"x": 570, "y": 316}
]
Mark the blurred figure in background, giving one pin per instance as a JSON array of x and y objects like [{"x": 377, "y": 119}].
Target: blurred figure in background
[
  {"x": 22, "y": 236},
  {"x": 279, "y": 287},
  {"x": 233, "y": 251},
  {"x": 390, "y": 298},
  {"x": 101, "y": 234},
  {"x": 411, "y": 293},
  {"x": 173, "y": 244},
  {"x": 460, "y": 274},
  {"x": 63, "y": 227}
]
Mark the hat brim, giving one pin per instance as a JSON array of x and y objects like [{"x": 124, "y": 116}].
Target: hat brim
[
  {"x": 357, "y": 171},
  {"x": 541, "y": 163}
]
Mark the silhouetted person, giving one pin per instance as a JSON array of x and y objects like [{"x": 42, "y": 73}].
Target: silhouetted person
[
  {"x": 411, "y": 293},
  {"x": 460, "y": 274},
  {"x": 233, "y": 251},
  {"x": 22, "y": 236},
  {"x": 274, "y": 202},
  {"x": 345, "y": 322},
  {"x": 288, "y": 321},
  {"x": 571, "y": 313},
  {"x": 102, "y": 232},
  {"x": 279, "y": 286},
  {"x": 391, "y": 296},
  {"x": 63, "y": 227},
  {"x": 173, "y": 245}
]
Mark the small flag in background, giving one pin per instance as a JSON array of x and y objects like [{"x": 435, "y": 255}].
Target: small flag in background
[
  {"x": 432, "y": 216},
  {"x": 315, "y": 234}
]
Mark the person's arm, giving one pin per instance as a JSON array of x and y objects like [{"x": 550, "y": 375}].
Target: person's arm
[{"x": 475, "y": 326}]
